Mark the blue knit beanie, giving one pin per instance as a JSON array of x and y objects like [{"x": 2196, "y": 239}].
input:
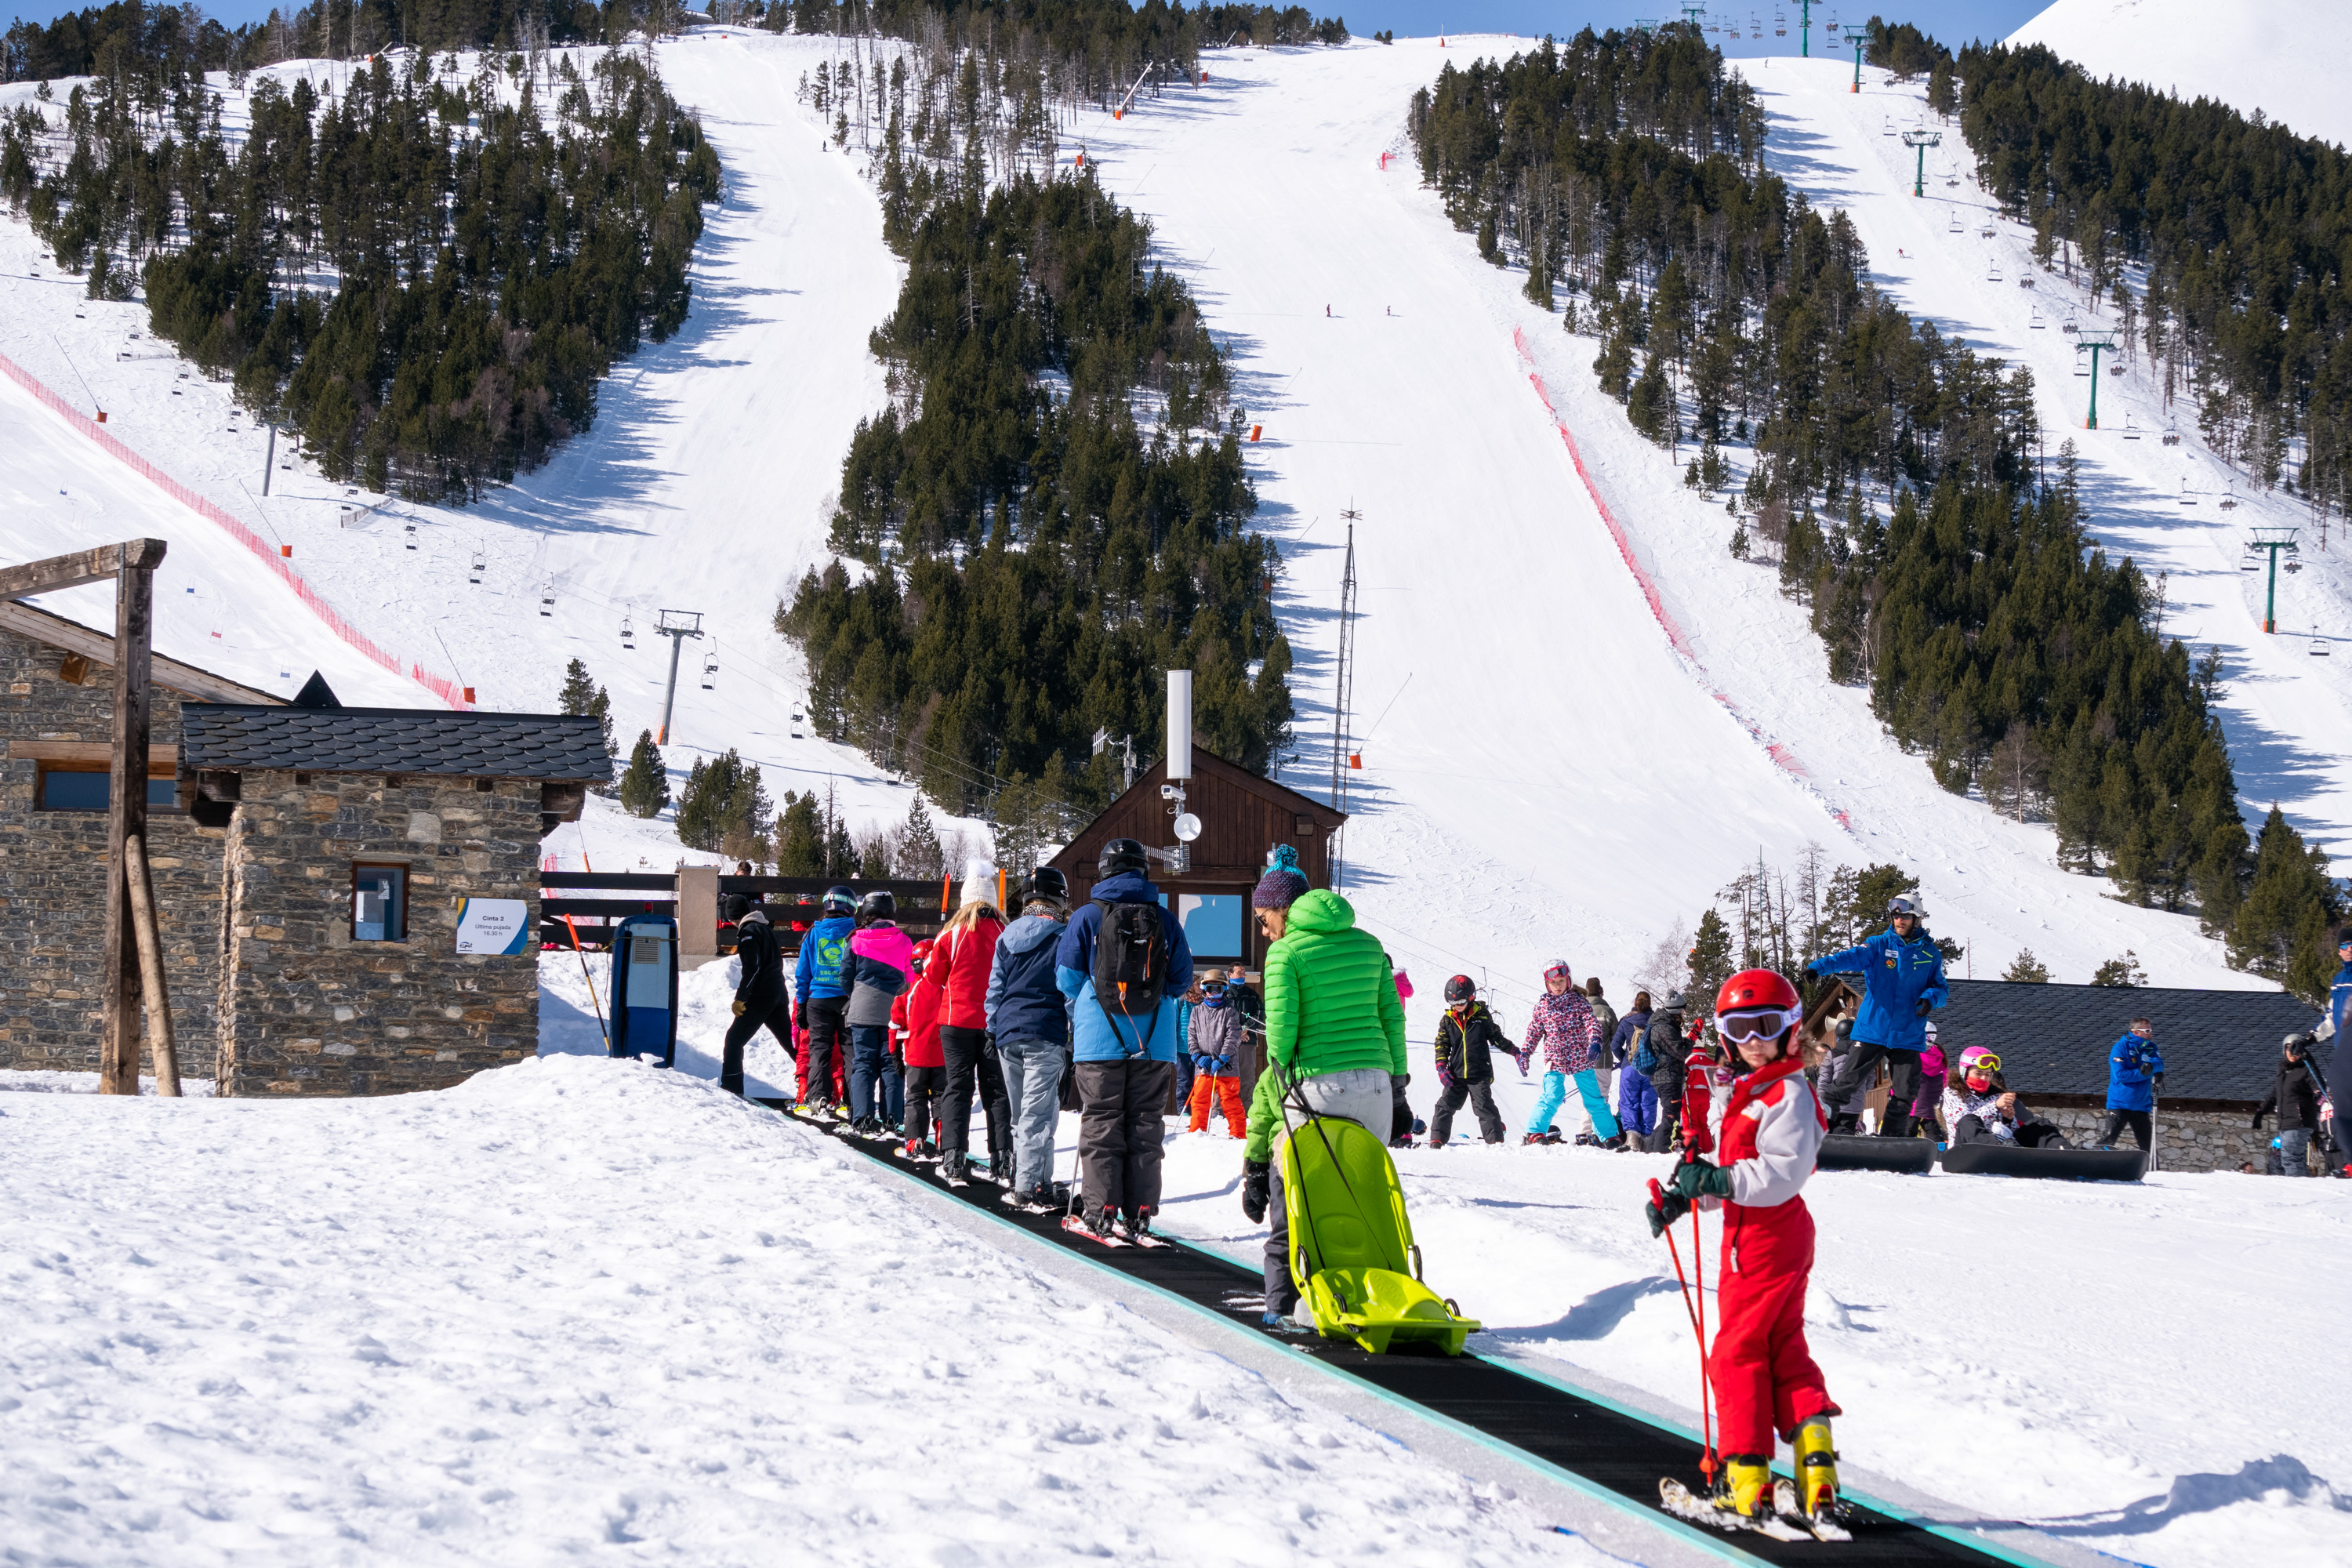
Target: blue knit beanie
[{"x": 1283, "y": 883}]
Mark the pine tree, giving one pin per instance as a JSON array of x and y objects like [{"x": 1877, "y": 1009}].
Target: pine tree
[
  {"x": 800, "y": 840},
  {"x": 1710, "y": 961},
  {"x": 645, "y": 787},
  {"x": 2124, "y": 970},
  {"x": 582, "y": 695},
  {"x": 1538, "y": 287},
  {"x": 2026, "y": 970},
  {"x": 917, "y": 850},
  {"x": 2283, "y": 929},
  {"x": 723, "y": 797}
]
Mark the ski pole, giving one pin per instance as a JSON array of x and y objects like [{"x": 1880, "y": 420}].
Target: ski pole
[
  {"x": 1690, "y": 1309},
  {"x": 590, "y": 979},
  {"x": 1706, "y": 1465}
]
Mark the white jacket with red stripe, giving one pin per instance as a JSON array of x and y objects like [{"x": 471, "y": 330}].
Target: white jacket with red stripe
[{"x": 1767, "y": 1129}]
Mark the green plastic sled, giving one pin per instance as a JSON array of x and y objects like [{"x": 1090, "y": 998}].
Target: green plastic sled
[{"x": 1351, "y": 1250}]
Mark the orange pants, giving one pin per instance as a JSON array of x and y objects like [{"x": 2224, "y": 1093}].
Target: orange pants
[{"x": 1225, "y": 1094}]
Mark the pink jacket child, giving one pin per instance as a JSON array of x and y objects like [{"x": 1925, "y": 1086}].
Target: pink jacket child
[
  {"x": 1933, "y": 1070},
  {"x": 1566, "y": 1029}
]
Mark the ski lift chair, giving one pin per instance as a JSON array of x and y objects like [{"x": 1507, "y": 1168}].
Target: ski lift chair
[
  {"x": 2131, "y": 431},
  {"x": 1994, "y": 276},
  {"x": 547, "y": 599},
  {"x": 474, "y": 574},
  {"x": 1954, "y": 227},
  {"x": 2188, "y": 496},
  {"x": 2173, "y": 438},
  {"x": 2318, "y": 649},
  {"x": 628, "y": 633},
  {"x": 710, "y": 671},
  {"x": 1352, "y": 1255},
  {"x": 409, "y": 531},
  {"x": 796, "y": 722},
  {"x": 2036, "y": 323}
]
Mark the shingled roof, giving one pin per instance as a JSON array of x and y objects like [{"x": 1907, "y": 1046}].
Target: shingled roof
[
  {"x": 219, "y": 735},
  {"x": 2053, "y": 1039}
]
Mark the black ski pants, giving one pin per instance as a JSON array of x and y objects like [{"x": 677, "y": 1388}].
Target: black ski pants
[
  {"x": 925, "y": 1086},
  {"x": 1122, "y": 1123},
  {"x": 1450, "y": 1098},
  {"x": 969, "y": 1058},
  {"x": 773, "y": 1014},
  {"x": 1666, "y": 1083},
  {"x": 828, "y": 1035},
  {"x": 2030, "y": 1134},
  {"x": 1903, "y": 1087},
  {"x": 2138, "y": 1122}
]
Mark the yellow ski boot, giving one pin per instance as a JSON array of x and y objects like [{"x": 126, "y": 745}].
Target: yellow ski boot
[
  {"x": 1745, "y": 1487},
  {"x": 1817, "y": 1481}
]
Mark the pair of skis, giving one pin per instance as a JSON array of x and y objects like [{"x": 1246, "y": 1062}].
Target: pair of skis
[
  {"x": 1076, "y": 1225},
  {"x": 1787, "y": 1521}
]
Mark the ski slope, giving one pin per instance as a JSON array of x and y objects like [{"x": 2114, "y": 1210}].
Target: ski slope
[
  {"x": 2284, "y": 59},
  {"x": 1572, "y": 733},
  {"x": 705, "y": 485}
]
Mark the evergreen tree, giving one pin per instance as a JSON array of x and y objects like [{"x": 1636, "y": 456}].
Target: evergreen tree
[
  {"x": 582, "y": 695},
  {"x": 2027, "y": 970},
  {"x": 2284, "y": 930},
  {"x": 2124, "y": 970},
  {"x": 645, "y": 787},
  {"x": 800, "y": 838},
  {"x": 1710, "y": 962},
  {"x": 723, "y": 797},
  {"x": 917, "y": 849}
]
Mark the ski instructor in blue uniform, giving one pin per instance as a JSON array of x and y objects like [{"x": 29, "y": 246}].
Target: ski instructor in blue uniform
[{"x": 1902, "y": 982}]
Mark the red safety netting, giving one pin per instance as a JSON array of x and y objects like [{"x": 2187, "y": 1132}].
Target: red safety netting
[{"x": 447, "y": 690}]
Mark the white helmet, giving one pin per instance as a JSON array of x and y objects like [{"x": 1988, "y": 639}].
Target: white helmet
[{"x": 1931, "y": 1031}]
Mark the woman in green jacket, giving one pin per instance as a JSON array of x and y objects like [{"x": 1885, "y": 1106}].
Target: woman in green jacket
[{"x": 1334, "y": 1038}]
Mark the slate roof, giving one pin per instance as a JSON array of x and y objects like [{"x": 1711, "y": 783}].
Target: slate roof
[
  {"x": 2053, "y": 1039},
  {"x": 394, "y": 741}
]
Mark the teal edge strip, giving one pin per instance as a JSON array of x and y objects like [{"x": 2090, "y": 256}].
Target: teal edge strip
[{"x": 1709, "y": 1540}]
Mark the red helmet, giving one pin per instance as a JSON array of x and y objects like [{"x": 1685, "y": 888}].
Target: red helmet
[
  {"x": 1755, "y": 988},
  {"x": 922, "y": 954}
]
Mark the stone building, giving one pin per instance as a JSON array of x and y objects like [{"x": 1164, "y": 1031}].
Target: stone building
[
  {"x": 57, "y": 718},
  {"x": 367, "y": 851}
]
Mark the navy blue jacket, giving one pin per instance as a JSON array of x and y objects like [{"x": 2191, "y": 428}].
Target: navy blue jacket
[
  {"x": 2340, "y": 1002},
  {"x": 1024, "y": 1003},
  {"x": 2132, "y": 1066},
  {"x": 1897, "y": 975}
]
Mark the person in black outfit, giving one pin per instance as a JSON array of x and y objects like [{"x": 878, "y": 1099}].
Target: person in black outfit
[
  {"x": 761, "y": 998},
  {"x": 1467, "y": 1038},
  {"x": 2295, "y": 1097}
]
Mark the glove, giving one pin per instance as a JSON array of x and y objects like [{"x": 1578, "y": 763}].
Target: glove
[
  {"x": 800, "y": 1015},
  {"x": 1922, "y": 1008},
  {"x": 738, "y": 1006},
  {"x": 1400, "y": 1080},
  {"x": 1698, "y": 1178},
  {"x": 1664, "y": 1209},
  {"x": 1256, "y": 1177},
  {"x": 2159, "y": 1080},
  {"x": 2257, "y": 1121}
]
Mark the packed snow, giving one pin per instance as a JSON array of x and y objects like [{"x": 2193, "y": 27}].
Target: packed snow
[{"x": 2285, "y": 59}]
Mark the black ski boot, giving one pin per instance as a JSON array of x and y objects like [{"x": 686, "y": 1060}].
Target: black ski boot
[
  {"x": 1893, "y": 1124},
  {"x": 1001, "y": 1166},
  {"x": 954, "y": 1168}
]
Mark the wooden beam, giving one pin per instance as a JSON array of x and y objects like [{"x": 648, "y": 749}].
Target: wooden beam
[
  {"x": 134, "y": 596},
  {"x": 163, "y": 1050},
  {"x": 163, "y": 762},
  {"x": 43, "y": 627},
  {"x": 83, "y": 566}
]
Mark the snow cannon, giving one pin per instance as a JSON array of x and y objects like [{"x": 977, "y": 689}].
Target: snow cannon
[
  {"x": 1351, "y": 1249},
  {"x": 645, "y": 988}
]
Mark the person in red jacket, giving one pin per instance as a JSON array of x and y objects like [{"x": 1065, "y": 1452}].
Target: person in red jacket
[
  {"x": 961, "y": 956},
  {"x": 915, "y": 1020},
  {"x": 1763, "y": 1129}
]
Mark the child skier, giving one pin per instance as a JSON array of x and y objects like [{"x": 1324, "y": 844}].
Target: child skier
[
  {"x": 1467, "y": 1038},
  {"x": 1981, "y": 1108},
  {"x": 1571, "y": 1036},
  {"x": 926, "y": 1062},
  {"x": 1216, "y": 1050},
  {"x": 1764, "y": 1128}
]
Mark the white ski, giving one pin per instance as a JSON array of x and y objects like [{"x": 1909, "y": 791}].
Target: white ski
[{"x": 1682, "y": 1504}]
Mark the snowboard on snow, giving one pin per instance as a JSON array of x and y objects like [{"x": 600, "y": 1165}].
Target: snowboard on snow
[
  {"x": 2045, "y": 1164},
  {"x": 1906, "y": 1156}
]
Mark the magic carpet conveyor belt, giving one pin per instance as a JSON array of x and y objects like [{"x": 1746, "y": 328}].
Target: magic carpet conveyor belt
[{"x": 1611, "y": 1450}]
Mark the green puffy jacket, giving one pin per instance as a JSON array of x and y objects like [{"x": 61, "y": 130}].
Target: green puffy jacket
[{"x": 1330, "y": 1006}]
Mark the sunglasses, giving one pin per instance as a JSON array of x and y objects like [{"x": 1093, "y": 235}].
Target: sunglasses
[{"x": 1769, "y": 1024}]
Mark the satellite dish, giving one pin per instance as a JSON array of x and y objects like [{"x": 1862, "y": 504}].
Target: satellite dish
[{"x": 1188, "y": 827}]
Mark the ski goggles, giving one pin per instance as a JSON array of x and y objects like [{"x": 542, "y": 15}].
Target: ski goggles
[
  {"x": 1766, "y": 1024},
  {"x": 1984, "y": 1062}
]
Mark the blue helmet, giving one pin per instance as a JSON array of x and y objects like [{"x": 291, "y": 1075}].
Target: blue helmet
[{"x": 839, "y": 900}]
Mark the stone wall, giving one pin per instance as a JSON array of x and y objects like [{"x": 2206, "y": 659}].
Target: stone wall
[
  {"x": 2185, "y": 1140},
  {"x": 53, "y": 878},
  {"x": 306, "y": 1010}
]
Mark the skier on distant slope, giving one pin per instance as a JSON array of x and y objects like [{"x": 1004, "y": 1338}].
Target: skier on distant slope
[
  {"x": 1902, "y": 982},
  {"x": 822, "y": 983},
  {"x": 1765, "y": 1130}
]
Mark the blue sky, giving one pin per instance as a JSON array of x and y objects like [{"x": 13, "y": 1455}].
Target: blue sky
[{"x": 1953, "y": 21}]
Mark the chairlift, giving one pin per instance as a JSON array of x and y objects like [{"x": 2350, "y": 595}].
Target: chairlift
[
  {"x": 1889, "y": 129},
  {"x": 409, "y": 530},
  {"x": 1954, "y": 227},
  {"x": 2131, "y": 431},
  {"x": 2318, "y": 649},
  {"x": 710, "y": 670},
  {"x": 2117, "y": 369},
  {"x": 2171, "y": 436},
  {"x": 628, "y": 633},
  {"x": 2293, "y": 566},
  {"x": 1994, "y": 276},
  {"x": 2026, "y": 281},
  {"x": 2188, "y": 496},
  {"x": 796, "y": 722},
  {"x": 2082, "y": 370},
  {"x": 2230, "y": 501},
  {"x": 2250, "y": 563},
  {"x": 2036, "y": 323},
  {"x": 475, "y": 576},
  {"x": 547, "y": 599}
]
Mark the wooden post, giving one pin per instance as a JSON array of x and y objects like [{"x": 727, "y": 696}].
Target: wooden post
[
  {"x": 118, "y": 1066},
  {"x": 163, "y": 1050}
]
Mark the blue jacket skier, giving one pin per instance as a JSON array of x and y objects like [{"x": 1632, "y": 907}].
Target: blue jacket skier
[
  {"x": 821, "y": 980},
  {"x": 1902, "y": 982},
  {"x": 2134, "y": 1072},
  {"x": 2331, "y": 1027}
]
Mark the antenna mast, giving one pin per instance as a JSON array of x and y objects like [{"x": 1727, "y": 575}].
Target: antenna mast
[{"x": 1344, "y": 691}]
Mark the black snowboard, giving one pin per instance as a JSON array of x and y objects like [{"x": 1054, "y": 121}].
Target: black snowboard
[
  {"x": 1906, "y": 1156},
  {"x": 2048, "y": 1165}
]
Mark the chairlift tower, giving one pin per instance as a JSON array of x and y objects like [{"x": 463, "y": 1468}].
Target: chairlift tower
[
  {"x": 2098, "y": 344},
  {"x": 1344, "y": 685},
  {"x": 1859, "y": 40},
  {"x": 677, "y": 626},
  {"x": 2272, "y": 539},
  {"x": 1919, "y": 141},
  {"x": 1805, "y": 29}
]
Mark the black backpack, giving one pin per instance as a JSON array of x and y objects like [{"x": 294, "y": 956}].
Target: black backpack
[{"x": 1130, "y": 969}]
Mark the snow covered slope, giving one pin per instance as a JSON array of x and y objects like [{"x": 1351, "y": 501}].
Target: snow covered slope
[
  {"x": 2288, "y": 58},
  {"x": 1572, "y": 734}
]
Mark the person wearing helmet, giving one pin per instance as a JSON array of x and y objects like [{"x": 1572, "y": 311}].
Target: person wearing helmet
[
  {"x": 1981, "y": 1109},
  {"x": 1122, "y": 961},
  {"x": 926, "y": 1062},
  {"x": 1564, "y": 1026},
  {"x": 822, "y": 983},
  {"x": 881, "y": 966},
  {"x": 1764, "y": 1129},
  {"x": 2295, "y": 1096},
  {"x": 1660, "y": 1057},
  {"x": 1030, "y": 1019},
  {"x": 1467, "y": 1038},
  {"x": 761, "y": 998},
  {"x": 962, "y": 957},
  {"x": 1927, "y": 1111},
  {"x": 1902, "y": 982}
]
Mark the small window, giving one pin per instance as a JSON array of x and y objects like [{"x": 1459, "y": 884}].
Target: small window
[
  {"x": 68, "y": 787},
  {"x": 379, "y": 903}
]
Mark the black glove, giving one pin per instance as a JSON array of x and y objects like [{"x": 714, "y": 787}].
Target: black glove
[
  {"x": 1922, "y": 1008},
  {"x": 1696, "y": 1178},
  {"x": 1258, "y": 1175},
  {"x": 1664, "y": 1211},
  {"x": 800, "y": 1015},
  {"x": 2257, "y": 1121},
  {"x": 1401, "y": 1079},
  {"x": 2159, "y": 1080}
]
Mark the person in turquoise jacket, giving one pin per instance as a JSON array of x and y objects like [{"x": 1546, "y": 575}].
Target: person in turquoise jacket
[
  {"x": 1902, "y": 982},
  {"x": 821, "y": 985},
  {"x": 2134, "y": 1072}
]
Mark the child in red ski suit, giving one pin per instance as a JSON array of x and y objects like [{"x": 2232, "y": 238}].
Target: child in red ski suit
[{"x": 1760, "y": 1127}]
